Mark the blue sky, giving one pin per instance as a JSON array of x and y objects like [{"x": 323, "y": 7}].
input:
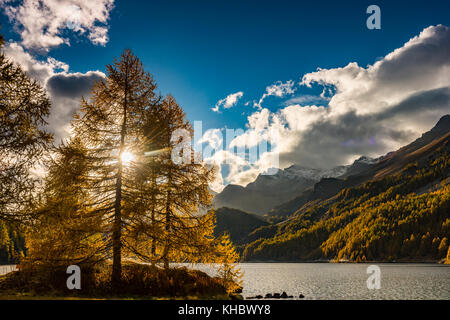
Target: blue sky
[{"x": 203, "y": 51}]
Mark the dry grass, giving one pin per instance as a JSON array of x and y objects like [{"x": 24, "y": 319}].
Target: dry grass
[{"x": 139, "y": 282}]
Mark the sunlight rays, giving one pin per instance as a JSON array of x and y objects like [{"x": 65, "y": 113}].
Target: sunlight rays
[{"x": 127, "y": 157}]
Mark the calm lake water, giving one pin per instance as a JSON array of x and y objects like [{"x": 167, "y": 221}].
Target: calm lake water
[
  {"x": 4, "y": 269},
  {"x": 346, "y": 281},
  {"x": 340, "y": 281}
]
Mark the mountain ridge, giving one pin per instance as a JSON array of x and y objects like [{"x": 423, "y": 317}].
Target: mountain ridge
[{"x": 268, "y": 191}]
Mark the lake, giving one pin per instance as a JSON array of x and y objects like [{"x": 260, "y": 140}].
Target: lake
[
  {"x": 4, "y": 269},
  {"x": 339, "y": 281},
  {"x": 346, "y": 280}
]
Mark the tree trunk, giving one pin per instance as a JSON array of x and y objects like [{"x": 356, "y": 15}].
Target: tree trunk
[
  {"x": 168, "y": 222},
  {"x": 167, "y": 242},
  {"x": 153, "y": 245},
  {"x": 116, "y": 276}
]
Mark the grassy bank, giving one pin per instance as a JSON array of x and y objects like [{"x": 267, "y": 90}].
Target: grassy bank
[{"x": 138, "y": 282}]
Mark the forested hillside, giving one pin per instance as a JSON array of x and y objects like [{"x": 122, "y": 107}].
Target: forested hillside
[
  {"x": 405, "y": 216},
  {"x": 12, "y": 244},
  {"x": 238, "y": 224}
]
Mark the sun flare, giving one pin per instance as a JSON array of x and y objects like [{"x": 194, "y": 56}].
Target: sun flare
[{"x": 127, "y": 157}]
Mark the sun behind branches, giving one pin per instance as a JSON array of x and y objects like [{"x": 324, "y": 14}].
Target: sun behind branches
[{"x": 127, "y": 157}]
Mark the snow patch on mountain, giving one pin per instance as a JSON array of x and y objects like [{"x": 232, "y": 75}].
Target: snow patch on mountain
[
  {"x": 296, "y": 171},
  {"x": 366, "y": 160}
]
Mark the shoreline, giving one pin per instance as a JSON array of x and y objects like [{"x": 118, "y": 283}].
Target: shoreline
[{"x": 352, "y": 262}]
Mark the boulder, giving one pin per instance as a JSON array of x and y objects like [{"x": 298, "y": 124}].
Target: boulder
[{"x": 234, "y": 296}]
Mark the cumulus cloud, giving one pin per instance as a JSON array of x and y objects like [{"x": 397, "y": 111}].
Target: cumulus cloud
[
  {"x": 256, "y": 132},
  {"x": 36, "y": 69},
  {"x": 73, "y": 85},
  {"x": 99, "y": 35},
  {"x": 217, "y": 185},
  {"x": 421, "y": 64},
  {"x": 40, "y": 23},
  {"x": 65, "y": 88},
  {"x": 213, "y": 139},
  {"x": 235, "y": 165},
  {"x": 228, "y": 102},
  {"x": 371, "y": 110},
  {"x": 244, "y": 153}
]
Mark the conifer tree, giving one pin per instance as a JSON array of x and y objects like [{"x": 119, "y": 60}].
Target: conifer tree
[
  {"x": 111, "y": 127},
  {"x": 66, "y": 229},
  {"x": 24, "y": 107},
  {"x": 228, "y": 258},
  {"x": 186, "y": 190},
  {"x": 115, "y": 189},
  {"x": 166, "y": 205}
]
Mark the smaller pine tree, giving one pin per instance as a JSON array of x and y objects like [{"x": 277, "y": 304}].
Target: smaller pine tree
[{"x": 229, "y": 271}]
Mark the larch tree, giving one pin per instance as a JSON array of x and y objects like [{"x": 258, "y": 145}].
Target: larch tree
[
  {"x": 167, "y": 225},
  {"x": 66, "y": 229},
  {"x": 117, "y": 189},
  {"x": 227, "y": 257},
  {"x": 184, "y": 182},
  {"x": 110, "y": 125}
]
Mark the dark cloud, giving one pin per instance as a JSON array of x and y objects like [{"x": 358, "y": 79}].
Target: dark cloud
[
  {"x": 66, "y": 91},
  {"x": 73, "y": 85},
  {"x": 434, "y": 101}
]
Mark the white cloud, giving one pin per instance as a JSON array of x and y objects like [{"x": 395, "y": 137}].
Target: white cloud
[
  {"x": 278, "y": 89},
  {"x": 421, "y": 64},
  {"x": 217, "y": 185},
  {"x": 41, "y": 22},
  {"x": 214, "y": 141},
  {"x": 228, "y": 102},
  {"x": 65, "y": 88},
  {"x": 234, "y": 162},
  {"x": 39, "y": 70},
  {"x": 99, "y": 35},
  {"x": 372, "y": 110},
  {"x": 258, "y": 122}
]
